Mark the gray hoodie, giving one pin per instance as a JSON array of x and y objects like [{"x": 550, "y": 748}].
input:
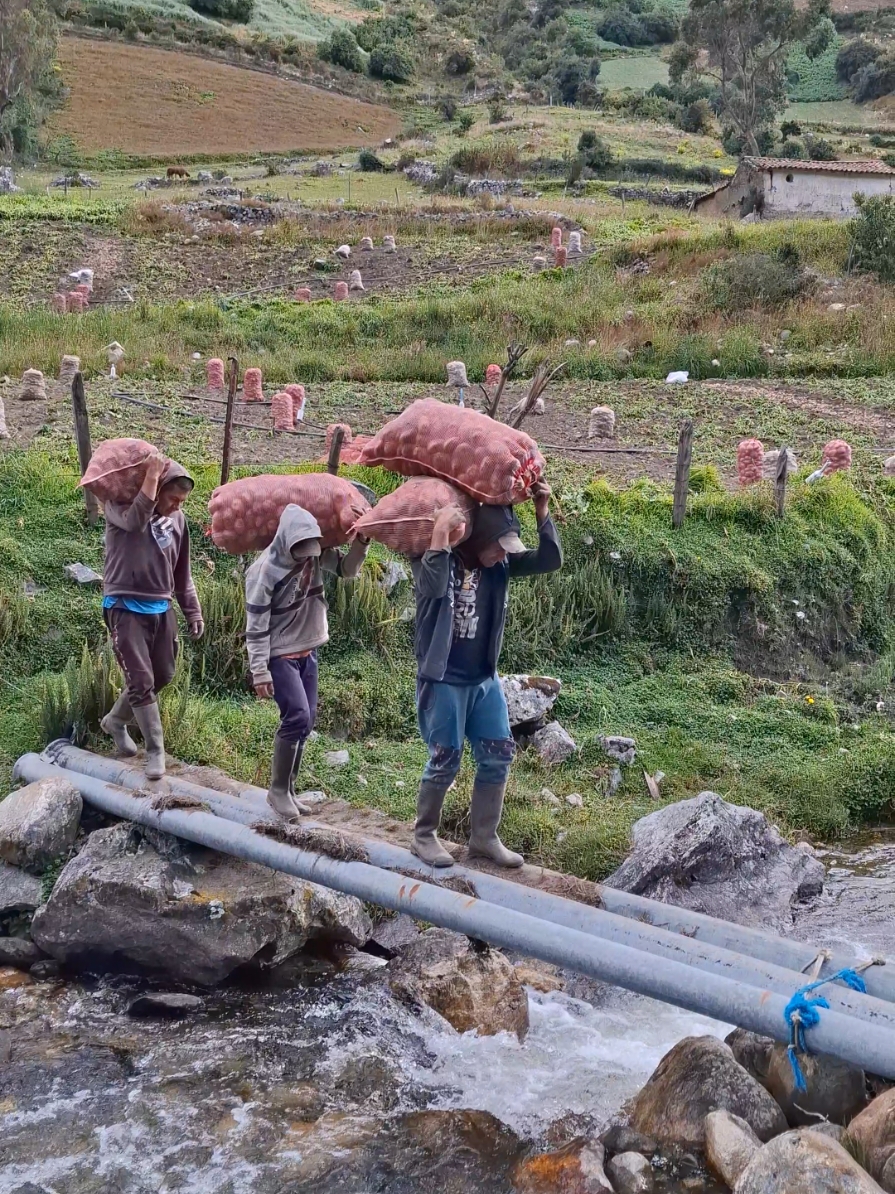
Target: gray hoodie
[{"x": 285, "y": 603}]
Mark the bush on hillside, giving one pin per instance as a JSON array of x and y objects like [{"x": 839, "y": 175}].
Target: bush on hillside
[
  {"x": 627, "y": 27},
  {"x": 873, "y": 236},
  {"x": 599, "y": 156},
  {"x": 819, "y": 149},
  {"x": 790, "y": 128},
  {"x": 379, "y": 31},
  {"x": 392, "y": 63},
  {"x": 369, "y": 162},
  {"x": 459, "y": 61},
  {"x": 696, "y": 117},
  {"x": 853, "y": 57},
  {"x": 588, "y": 140},
  {"x": 762, "y": 280},
  {"x": 447, "y": 106},
  {"x": 341, "y": 49},
  {"x": 793, "y": 150},
  {"x": 465, "y": 121},
  {"x": 874, "y": 80},
  {"x": 225, "y": 10}
]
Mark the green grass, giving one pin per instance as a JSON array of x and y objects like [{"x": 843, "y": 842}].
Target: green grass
[
  {"x": 636, "y": 71},
  {"x": 277, "y": 18},
  {"x": 814, "y": 80}
]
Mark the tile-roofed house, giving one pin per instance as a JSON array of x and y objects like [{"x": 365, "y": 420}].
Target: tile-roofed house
[{"x": 769, "y": 187}]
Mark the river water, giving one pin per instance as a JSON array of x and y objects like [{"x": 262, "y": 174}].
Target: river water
[{"x": 320, "y": 1081}]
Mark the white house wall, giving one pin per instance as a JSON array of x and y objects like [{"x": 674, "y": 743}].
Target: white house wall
[{"x": 819, "y": 193}]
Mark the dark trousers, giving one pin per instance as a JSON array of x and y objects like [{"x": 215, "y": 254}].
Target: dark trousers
[
  {"x": 295, "y": 691},
  {"x": 145, "y": 646}
]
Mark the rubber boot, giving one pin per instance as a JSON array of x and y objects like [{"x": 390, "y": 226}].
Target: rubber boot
[
  {"x": 115, "y": 724},
  {"x": 149, "y": 720},
  {"x": 484, "y": 818},
  {"x": 426, "y": 846},
  {"x": 296, "y": 767},
  {"x": 278, "y": 795}
]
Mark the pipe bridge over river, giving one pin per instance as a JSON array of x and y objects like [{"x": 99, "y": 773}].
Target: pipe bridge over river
[{"x": 729, "y": 972}]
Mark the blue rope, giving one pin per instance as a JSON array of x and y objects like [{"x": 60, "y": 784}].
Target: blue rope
[{"x": 809, "y": 1016}]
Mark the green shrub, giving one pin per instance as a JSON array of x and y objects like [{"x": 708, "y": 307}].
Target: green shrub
[
  {"x": 465, "y": 121},
  {"x": 696, "y": 117},
  {"x": 793, "y": 149},
  {"x": 447, "y": 106},
  {"x": 853, "y": 57},
  {"x": 498, "y": 110},
  {"x": 754, "y": 280},
  {"x": 587, "y": 140},
  {"x": 873, "y": 236},
  {"x": 225, "y": 10},
  {"x": 341, "y": 49},
  {"x": 369, "y": 162},
  {"x": 820, "y": 150},
  {"x": 393, "y": 63}
]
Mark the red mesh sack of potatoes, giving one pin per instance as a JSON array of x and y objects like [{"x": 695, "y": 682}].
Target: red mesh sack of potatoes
[
  {"x": 403, "y": 521},
  {"x": 245, "y": 514},
  {"x": 491, "y": 462},
  {"x": 116, "y": 469}
]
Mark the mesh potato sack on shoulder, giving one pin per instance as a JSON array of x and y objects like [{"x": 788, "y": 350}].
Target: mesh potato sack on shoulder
[
  {"x": 245, "y": 513},
  {"x": 117, "y": 469},
  {"x": 403, "y": 520},
  {"x": 493, "y": 463}
]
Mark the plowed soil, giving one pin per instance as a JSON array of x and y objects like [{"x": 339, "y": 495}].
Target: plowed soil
[{"x": 158, "y": 102}]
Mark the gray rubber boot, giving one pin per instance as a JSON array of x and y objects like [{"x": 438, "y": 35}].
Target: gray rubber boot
[
  {"x": 484, "y": 818},
  {"x": 426, "y": 846},
  {"x": 149, "y": 720},
  {"x": 278, "y": 795},
  {"x": 115, "y": 724},
  {"x": 296, "y": 767}
]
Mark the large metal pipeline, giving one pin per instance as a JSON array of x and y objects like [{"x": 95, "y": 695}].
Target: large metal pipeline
[
  {"x": 854, "y": 1041},
  {"x": 701, "y": 941}
]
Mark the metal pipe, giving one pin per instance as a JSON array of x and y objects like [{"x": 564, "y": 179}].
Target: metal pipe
[
  {"x": 543, "y": 905},
  {"x": 853, "y": 1041},
  {"x": 631, "y": 920}
]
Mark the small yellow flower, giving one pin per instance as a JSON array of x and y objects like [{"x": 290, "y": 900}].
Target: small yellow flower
[{"x": 810, "y": 700}]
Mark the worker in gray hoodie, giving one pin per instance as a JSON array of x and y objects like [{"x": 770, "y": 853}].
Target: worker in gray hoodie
[
  {"x": 285, "y": 624},
  {"x": 147, "y": 564}
]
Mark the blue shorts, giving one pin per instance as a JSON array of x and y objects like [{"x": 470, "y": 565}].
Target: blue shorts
[{"x": 449, "y": 714}]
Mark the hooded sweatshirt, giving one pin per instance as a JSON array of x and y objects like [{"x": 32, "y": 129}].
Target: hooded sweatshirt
[
  {"x": 285, "y": 602},
  {"x": 148, "y": 555}
]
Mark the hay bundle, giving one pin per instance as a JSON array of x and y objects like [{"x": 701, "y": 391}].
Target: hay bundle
[
  {"x": 252, "y": 386},
  {"x": 750, "y": 458},
  {"x": 34, "y": 388},
  {"x": 68, "y": 367},
  {"x": 601, "y": 424}
]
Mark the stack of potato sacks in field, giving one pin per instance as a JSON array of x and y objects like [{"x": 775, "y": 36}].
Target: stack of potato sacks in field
[{"x": 452, "y": 457}]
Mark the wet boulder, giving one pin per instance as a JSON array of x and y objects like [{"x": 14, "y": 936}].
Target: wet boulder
[
  {"x": 38, "y": 823},
  {"x": 471, "y": 985},
  {"x": 804, "y": 1161},
  {"x": 145, "y": 901},
  {"x": 19, "y": 953},
  {"x": 871, "y": 1136},
  {"x": 836, "y": 1090},
  {"x": 19, "y": 891},
  {"x": 699, "y": 1075},
  {"x": 575, "y": 1169},
  {"x": 720, "y": 859},
  {"x": 631, "y": 1173},
  {"x": 752, "y": 1051},
  {"x": 730, "y": 1144}
]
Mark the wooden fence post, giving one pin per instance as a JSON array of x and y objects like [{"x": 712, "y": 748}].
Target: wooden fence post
[
  {"x": 780, "y": 485},
  {"x": 228, "y": 419},
  {"x": 85, "y": 447},
  {"x": 335, "y": 451},
  {"x": 682, "y": 473}
]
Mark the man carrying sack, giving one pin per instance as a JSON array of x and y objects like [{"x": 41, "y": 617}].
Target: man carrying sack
[
  {"x": 461, "y": 603},
  {"x": 285, "y": 624},
  {"x": 147, "y": 564}
]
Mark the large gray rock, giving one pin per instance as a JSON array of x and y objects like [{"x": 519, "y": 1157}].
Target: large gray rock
[
  {"x": 804, "y": 1162},
  {"x": 730, "y": 1144},
  {"x": 147, "y": 901},
  {"x": 720, "y": 859},
  {"x": 529, "y": 698},
  {"x": 631, "y": 1173},
  {"x": 553, "y": 743},
  {"x": 699, "y": 1075},
  {"x": 575, "y": 1169},
  {"x": 471, "y": 986},
  {"x": 19, "y": 891},
  {"x": 752, "y": 1051},
  {"x": 38, "y": 823},
  {"x": 18, "y": 952},
  {"x": 836, "y": 1091},
  {"x": 871, "y": 1136}
]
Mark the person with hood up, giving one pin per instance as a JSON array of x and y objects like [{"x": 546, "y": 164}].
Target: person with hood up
[
  {"x": 285, "y": 624},
  {"x": 147, "y": 563},
  {"x": 461, "y": 607}
]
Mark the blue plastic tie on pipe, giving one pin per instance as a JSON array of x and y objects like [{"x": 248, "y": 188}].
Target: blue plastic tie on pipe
[{"x": 803, "y": 1013}]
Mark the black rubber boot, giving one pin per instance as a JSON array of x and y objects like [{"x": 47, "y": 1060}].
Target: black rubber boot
[
  {"x": 115, "y": 724},
  {"x": 149, "y": 720},
  {"x": 484, "y": 818},
  {"x": 426, "y": 846},
  {"x": 296, "y": 767}
]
